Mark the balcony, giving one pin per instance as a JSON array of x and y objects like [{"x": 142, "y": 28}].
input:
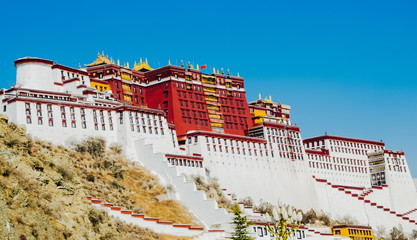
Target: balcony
[
  {"x": 211, "y": 98},
  {"x": 207, "y": 89},
  {"x": 216, "y": 125},
  {"x": 208, "y": 79}
]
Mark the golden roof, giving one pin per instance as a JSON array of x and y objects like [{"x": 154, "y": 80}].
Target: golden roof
[
  {"x": 142, "y": 66},
  {"x": 101, "y": 59},
  {"x": 268, "y": 100}
]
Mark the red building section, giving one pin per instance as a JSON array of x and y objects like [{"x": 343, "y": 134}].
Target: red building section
[{"x": 191, "y": 99}]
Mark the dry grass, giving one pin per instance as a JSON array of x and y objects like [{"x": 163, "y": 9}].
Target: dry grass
[
  {"x": 43, "y": 189},
  {"x": 131, "y": 188}
]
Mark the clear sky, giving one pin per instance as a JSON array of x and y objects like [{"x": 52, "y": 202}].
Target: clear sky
[{"x": 345, "y": 67}]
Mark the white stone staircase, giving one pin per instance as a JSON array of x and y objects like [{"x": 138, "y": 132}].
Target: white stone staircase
[
  {"x": 376, "y": 212},
  {"x": 155, "y": 224},
  {"x": 206, "y": 210}
]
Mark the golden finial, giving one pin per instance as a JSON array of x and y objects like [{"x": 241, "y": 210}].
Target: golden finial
[
  {"x": 140, "y": 61},
  {"x": 118, "y": 62},
  {"x": 169, "y": 62},
  {"x": 134, "y": 65},
  {"x": 228, "y": 73},
  {"x": 127, "y": 64},
  {"x": 260, "y": 96},
  {"x": 111, "y": 60},
  {"x": 102, "y": 53},
  {"x": 107, "y": 56},
  {"x": 189, "y": 64},
  {"x": 79, "y": 65},
  {"x": 98, "y": 54},
  {"x": 222, "y": 72},
  {"x": 238, "y": 75},
  {"x": 192, "y": 66},
  {"x": 198, "y": 67},
  {"x": 182, "y": 63},
  {"x": 217, "y": 71},
  {"x": 214, "y": 70},
  {"x": 146, "y": 60},
  {"x": 270, "y": 98}
]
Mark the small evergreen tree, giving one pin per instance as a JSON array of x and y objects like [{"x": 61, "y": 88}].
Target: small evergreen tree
[{"x": 240, "y": 225}]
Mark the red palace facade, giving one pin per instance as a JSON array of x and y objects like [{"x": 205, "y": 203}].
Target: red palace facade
[{"x": 192, "y": 100}]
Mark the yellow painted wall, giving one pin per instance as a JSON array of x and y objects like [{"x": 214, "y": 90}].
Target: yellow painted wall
[
  {"x": 127, "y": 98},
  {"x": 100, "y": 86},
  {"x": 259, "y": 112},
  {"x": 355, "y": 233}
]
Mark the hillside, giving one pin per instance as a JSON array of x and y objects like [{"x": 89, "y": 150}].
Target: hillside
[{"x": 43, "y": 190}]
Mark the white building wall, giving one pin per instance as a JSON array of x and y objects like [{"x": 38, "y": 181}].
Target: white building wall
[
  {"x": 260, "y": 177},
  {"x": 34, "y": 75}
]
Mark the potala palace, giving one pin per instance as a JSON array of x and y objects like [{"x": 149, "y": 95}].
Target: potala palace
[{"x": 178, "y": 121}]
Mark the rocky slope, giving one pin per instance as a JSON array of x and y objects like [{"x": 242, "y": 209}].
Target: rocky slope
[{"x": 43, "y": 190}]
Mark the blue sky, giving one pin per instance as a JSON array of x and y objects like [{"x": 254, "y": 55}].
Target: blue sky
[{"x": 345, "y": 67}]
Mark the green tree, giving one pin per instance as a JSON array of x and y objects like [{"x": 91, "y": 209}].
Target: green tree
[{"x": 240, "y": 225}]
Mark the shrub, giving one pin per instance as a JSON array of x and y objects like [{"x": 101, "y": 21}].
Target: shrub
[
  {"x": 96, "y": 147},
  {"x": 248, "y": 201},
  {"x": 95, "y": 217},
  {"x": 15, "y": 139},
  {"x": 90, "y": 177},
  {"x": 117, "y": 148},
  {"x": 413, "y": 234},
  {"x": 264, "y": 207},
  {"x": 309, "y": 217},
  {"x": 66, "y": 171},
  {"x": 116, "y": 184},
  {"x": 212, "y": 190},
  {"x": 138, "y": 210},
  {"x": 346, "y": 220},
  {"x": 397, "y": 233}
]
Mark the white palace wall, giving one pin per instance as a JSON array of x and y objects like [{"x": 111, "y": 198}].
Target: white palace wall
[
  {"x": 260, "y": 177},
  {"x": 101, "y": 123}
]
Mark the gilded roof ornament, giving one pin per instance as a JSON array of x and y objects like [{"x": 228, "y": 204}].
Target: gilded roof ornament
[
  {"x": 214, "y": 70},
  {"x": 198, "y": 68},
  {"x": 238, "y": 75},
  {"x": 169, "y": 62},
  {"x": 142, "y": 66},
  {"x": 222, "y": 71},
  {"x": 260, "y": 96},
  {"x": 99, "y": 61},
  {"x": 266, "y": 100},
  {"x": 182, "y": 63},
  {"x": 217, "y": 71}
]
